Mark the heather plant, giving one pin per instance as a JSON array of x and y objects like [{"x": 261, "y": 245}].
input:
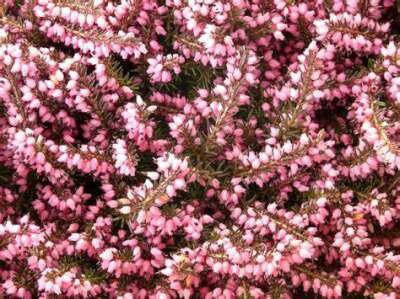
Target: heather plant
[{"x": 199, "y": 149}]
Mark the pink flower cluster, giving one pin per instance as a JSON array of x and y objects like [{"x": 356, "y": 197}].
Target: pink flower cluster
[{"x": 199, "y": 149}]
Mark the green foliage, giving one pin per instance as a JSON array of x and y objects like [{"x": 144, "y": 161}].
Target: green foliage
[
  {"x": 24, "y": 200},
  {"x": 5, "y": 175},
  {"x": 124, "y": 77},
  {"x": 172, "y": 31},
  {"x": 195, "y": 191},
  {"x": 192, "y": 77},
  {"x": 90, "y": 269},
  {"x": 26, "y": 278},
  {"x": 162, "y": 130}
]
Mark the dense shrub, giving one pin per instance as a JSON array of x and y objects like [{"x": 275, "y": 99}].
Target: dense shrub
[{"x": 199, "y": 149}]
